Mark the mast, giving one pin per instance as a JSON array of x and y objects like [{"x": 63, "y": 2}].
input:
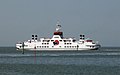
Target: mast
[{"x": 58, "y": 30}]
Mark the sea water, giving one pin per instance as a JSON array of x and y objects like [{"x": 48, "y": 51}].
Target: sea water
[{"x": 105, "y": 61}]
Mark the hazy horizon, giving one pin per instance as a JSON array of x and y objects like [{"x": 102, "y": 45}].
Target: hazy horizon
[{"x": 97, "y": 19}]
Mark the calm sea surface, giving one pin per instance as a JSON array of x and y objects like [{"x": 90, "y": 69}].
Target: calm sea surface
[{"x": 105, "y": 61}]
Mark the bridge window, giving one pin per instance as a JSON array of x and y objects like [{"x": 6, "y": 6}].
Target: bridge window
[{"x": 56, "y": 37}]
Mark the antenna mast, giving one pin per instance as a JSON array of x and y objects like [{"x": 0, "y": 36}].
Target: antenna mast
[{"x": 58, "y": 28}]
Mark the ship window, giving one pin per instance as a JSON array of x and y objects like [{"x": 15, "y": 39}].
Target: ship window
[
  {"x": 74, "y": 40},
  {"x": 64, "y": 40},
  {"x": 65, "y": 46},
  {"x": 65, "y": 43},
  {"x": 56, "y": 37},
  {"x": 60, "y": 40},
  {"x": 52, "y": 40},
  {"x": 59, "y": 46}
]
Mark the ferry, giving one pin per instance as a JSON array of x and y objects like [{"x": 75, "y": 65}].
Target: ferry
[{"x": 58, "y": 43}]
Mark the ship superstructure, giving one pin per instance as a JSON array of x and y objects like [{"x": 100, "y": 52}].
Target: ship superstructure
[{"x": 58, "y": 43}]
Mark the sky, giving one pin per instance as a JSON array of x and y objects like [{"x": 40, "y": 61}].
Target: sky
[{"x": 97, "y": 19}]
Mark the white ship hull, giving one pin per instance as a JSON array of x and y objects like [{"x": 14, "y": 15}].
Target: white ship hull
[{"x": 57, "y": 49}]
